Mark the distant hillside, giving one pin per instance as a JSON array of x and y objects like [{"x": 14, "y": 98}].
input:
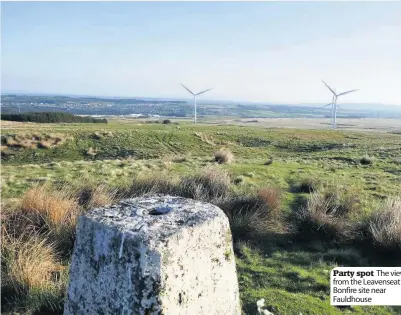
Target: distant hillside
[
  {"x": 13, "y": 103},
  {"x": 50, "y": 117}
]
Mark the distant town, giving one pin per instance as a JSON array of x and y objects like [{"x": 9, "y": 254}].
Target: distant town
[{"x": 136, "y": 107}]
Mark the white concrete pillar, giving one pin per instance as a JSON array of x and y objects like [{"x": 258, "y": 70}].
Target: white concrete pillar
[{"x": 154, "y": 255}]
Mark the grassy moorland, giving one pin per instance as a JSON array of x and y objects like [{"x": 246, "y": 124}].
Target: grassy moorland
[{"x": 300, "y": 202}]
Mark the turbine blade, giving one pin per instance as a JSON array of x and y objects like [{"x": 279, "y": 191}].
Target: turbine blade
[
  {"x": 347, "y": 92},
  {"x": 187, "y": 89},
  {"x": 327, "y": 105},
  {"x": 332, "y": 91},
  {"x": 203, "y": 92},
  {"x": 338, "y": 106}
]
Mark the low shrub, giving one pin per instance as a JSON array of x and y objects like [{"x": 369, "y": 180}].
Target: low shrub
[{"x": 166, "y": 121}]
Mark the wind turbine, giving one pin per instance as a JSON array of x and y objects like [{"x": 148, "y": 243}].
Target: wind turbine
[
  {"x": 333, "y": 103},
  {"x": 194, "y": 95},
  {"x": 332, "y": 112}
]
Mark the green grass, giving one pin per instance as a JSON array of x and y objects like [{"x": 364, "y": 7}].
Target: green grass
[
  {"x": 292, "y": 276},
  {"x": 293, "y": 279}
]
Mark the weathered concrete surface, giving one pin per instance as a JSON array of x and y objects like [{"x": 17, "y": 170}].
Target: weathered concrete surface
[{"x": 154, "y": 255}]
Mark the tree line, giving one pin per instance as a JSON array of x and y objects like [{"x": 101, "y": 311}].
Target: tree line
[{"x": 51, "y": 117}]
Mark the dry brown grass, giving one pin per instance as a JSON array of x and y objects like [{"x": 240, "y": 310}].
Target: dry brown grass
[
  {"x": 271, "y": 196},
  {"x": 385, "y": 225},
  {"x": 53, "y": 210},
  {"x": 30, "y": 262},
  {"x": 32, "y": 141},
  {"x": 223, "y": 156},
  {"x": 31, "y": 273},
  {"x": 58, "y": 207}
]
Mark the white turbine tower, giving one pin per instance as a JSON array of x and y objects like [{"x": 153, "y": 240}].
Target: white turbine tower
[
  {"x": 333, "y": 103},
  {"x": 194, "y": 95}
]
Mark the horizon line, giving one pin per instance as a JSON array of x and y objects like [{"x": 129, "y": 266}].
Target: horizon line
[{"x": 182, "y": 98}]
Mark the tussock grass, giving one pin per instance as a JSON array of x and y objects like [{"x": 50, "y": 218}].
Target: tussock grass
[
  {"x": 33, "y": 141},
  {"x": 249, "y": 218},
  {"x": 223, "y": 156},
  {"x": 94, "y": 195},
  {"x": 32, "y": 276},
  {"x": 211, "y": 184},
  {"x": 152, "y": 183},
  {"x": 367, "y": 160},
  {"x": 347, "y": 202},
  {"x": 55, "y": 211},
  {"x": 323, "y": 218},
  {"x": 306, "y": 185},
  {"x": 101, "y": 134},
  {"x": 385, "y": 226},
  {"x": 272, "y": 197}
]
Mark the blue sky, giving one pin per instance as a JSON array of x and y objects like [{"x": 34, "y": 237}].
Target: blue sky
[{"x": 261, "y": 51}]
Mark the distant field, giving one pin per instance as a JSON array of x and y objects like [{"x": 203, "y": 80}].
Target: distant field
[
  {"x": 362, "y": 124},
  {"x": 362, "y": 157}
]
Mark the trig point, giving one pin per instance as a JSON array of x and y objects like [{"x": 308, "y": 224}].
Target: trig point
[{"x": 153, "y": 255}]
